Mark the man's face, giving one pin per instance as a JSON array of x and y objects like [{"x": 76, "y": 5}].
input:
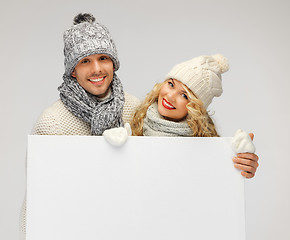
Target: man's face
[{"x": 95, "y": 73}]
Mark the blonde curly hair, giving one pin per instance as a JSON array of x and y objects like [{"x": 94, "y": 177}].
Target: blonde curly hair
[{"x": 197, "y": 118}]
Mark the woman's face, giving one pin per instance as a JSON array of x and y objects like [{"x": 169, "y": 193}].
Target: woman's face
[{"x": 172, "y": 100}]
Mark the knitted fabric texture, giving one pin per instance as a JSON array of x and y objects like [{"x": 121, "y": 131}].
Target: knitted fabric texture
[
  {"x": 101, "y": 115},
  {"x": 87, "y": 38},
  {"x": 156, "y": 125},
  {"x": 58, "y": 120},
  {"x": 202, "y": 75}
]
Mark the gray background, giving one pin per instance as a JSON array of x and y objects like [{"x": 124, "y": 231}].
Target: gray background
[{"x": 151, "y": 37}]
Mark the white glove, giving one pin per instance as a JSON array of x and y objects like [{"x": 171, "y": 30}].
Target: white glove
[
  {"x": 118, "y": 136},
  {"x": 242, "y": 142},
  {"x": 128, "y": 128}
]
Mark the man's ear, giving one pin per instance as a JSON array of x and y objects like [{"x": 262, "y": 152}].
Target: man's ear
[{"x": 73, "y": 74}]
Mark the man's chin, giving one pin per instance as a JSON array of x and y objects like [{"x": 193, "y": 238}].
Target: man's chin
[{"x": 102, "y": 94}]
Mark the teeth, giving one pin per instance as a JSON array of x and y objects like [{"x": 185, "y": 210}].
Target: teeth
[
  {"x": 167, "y": 104},
  {"x": 97, "y": 80}
]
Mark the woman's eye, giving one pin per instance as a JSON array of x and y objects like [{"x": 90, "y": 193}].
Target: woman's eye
[
  {"x": 185, "y": 96},
  {"x": 170, "y": 84}
]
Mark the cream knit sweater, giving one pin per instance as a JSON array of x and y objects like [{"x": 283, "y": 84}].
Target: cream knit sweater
[{"x": 57, "y": 120}]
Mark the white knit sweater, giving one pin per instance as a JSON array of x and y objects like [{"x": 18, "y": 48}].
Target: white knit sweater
[{"x": 58, "y": 120}]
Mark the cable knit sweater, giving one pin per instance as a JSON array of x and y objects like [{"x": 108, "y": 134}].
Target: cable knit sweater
[{"x": 58, "y": 120}]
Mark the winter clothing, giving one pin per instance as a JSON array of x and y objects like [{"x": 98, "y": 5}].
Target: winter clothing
[
  {"x": 202, "y": 75},
  {"x": 87, "y": 37},
  {"x": 242, "y": 142},
  {"x": 101, "y": 115},
  {"x": 156, "y": 125},
  {"x": 79, "y": 112},
  {"x": 58, "y": 120}
]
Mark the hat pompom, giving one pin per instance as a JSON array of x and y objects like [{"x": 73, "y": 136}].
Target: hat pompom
[
  {"x": 222, "y": 62},
  {"x": 84, "y": 17}
]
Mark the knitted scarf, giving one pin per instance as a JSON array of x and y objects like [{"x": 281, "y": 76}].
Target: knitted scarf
[
  {"x": 156, "y": 125},
  {"x": 101, "y": 115}
]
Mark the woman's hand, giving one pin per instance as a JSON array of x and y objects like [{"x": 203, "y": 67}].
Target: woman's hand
[{"x": 247, "y": 162}]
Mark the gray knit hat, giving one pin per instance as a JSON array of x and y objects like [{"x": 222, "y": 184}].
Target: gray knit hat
[
  {"x": 84, "y": 38},
  {"x": 202, "y": 75}
]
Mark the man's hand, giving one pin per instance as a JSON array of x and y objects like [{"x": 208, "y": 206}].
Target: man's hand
[{"x": 247, "y": 162}]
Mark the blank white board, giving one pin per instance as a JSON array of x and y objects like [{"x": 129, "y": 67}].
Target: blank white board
[{"x": 151, "y": 188}]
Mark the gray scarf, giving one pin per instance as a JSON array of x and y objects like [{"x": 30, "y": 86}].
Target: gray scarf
[
  {"x": 156, "y": 125},
  {"x": 101, "y": 115}
]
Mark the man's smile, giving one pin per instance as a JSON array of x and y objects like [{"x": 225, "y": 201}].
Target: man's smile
[
  {"x": 97, "y": 81},
  {"x": 94, "y": 79}
]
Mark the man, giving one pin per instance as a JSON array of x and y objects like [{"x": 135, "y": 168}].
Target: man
[
  {"x": 92, "y": 99},
  {"x": 91, "y": 96}
]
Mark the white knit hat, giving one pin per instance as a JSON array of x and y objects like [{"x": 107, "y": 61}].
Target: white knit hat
[{"x": 202, "y": 75}]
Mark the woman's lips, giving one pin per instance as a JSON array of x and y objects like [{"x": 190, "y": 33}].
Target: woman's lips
[{"x": 167, "y": 105}]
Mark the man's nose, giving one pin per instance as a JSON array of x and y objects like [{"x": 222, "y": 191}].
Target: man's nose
[{"x": 96, "y": 67}]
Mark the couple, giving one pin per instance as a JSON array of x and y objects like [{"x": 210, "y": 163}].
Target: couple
[{"x": 92, "y": 98}]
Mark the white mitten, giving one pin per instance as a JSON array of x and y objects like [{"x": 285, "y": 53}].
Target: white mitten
[
  {"x": 116, "y": 136},
  {"x": 243, "y": 143},
  {"x": 128, "y": 128}
]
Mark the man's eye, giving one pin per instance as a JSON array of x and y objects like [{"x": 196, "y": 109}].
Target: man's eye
[
  {"x": 103, "y": 58},
  {"x": 85, "y": 61}
]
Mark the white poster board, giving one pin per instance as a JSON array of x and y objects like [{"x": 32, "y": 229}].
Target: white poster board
[{"x": 152, "y": 188}]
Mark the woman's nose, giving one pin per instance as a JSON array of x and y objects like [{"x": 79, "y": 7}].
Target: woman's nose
[{"x": 171, "y": 96}]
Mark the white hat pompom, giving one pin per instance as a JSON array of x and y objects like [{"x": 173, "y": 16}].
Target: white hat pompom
[{"x": 222, "y": 62}]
